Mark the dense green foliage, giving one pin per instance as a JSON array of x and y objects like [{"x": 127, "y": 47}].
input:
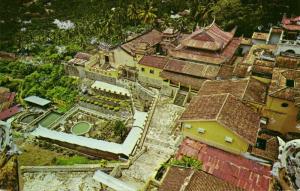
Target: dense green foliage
[
  {"x": 45, "y": 80},
  {"x": 120, "y": 129},
  {"x": 112, "y": 21},
  {"x": 77, "y": 160}
]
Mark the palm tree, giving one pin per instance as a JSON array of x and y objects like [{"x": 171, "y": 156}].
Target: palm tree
[
  {"x": 132, "y": 13},
  {"x": 203, "y": 12},
  {"x": 147, "y": 15}
]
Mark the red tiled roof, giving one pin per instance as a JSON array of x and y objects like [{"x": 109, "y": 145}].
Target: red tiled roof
[
  {"x": 287, "y": 62},
  {"x": 154, "y": 61},
  {"x": 228, "y": 111},
  {"x": 185, "y": 80},
  {"x": 193, "y": 69},
  {"x": 271, "y": 151},
  {"x": 151, "y": 38},
  {"x": 210, "y": 38},
  {"x": 225, "y": 71},
  {"x": 246, "y": 89},
  {"x": 235, "y": 169},
  {"x": 83, "y": 56},
  {"x": 206, "y": 56},
  {"x": 7, "y": 97},
  {"x": 278, "y": 87},
  {"x": 291, "y": 23},
  {"x": 175, "y": 179},
  {"x": 193, "y": 180},
  {"x": 9, "y": 112}
]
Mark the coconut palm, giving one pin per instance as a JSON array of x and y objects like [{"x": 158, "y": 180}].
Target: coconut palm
[
  {"x": 147, "y": 15},
  {"x": 132, "y": 13}
]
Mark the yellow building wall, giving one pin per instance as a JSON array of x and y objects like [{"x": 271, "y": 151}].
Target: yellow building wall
[
  {"x": 146, "y": 72},
  {"x": 282, "y": 119},
  {"x": 122, "y": 58},
  {"x": 215, "y": 136},
  {"x": 264, "y": 80}
]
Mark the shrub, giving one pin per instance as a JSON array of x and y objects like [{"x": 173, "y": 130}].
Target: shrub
[{"x": 187, "y": 162}]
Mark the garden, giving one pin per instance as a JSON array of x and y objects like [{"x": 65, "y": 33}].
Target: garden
[
  {"x": 83, "y": 123},
  {"x": 105, "y": 101}
]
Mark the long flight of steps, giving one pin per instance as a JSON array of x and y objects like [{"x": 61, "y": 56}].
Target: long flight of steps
[{"x": 180, "y": 98}]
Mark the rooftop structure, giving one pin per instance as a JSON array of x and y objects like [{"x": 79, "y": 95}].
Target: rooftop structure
[
  {"x": 266, "y": 147},
  {"x": 226, "y": 110},
  {"x": 192, "y": 69},
  {"x": 285, "y": 60},
  {"x": 285, "y": 84},
  {"x": 143, "y": 42},
  {"x": 260, "y": 36},
  {"x": 245, "y": 89},
  {"x": 235, "y": 169},
  {"x": 80, "y": 59},
  {"x": 7, "y": 113},
  {"x": 37, "y": 100},
  {"x": 193, "y": 180},
  {"x": 210, "y": 45}
]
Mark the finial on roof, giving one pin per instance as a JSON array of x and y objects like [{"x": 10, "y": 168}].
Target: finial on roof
[
  {"x": 197, "y": 27},
  {"x": 212, "y": 23}
]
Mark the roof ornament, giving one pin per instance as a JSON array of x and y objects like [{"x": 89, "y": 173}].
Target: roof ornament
[
  {"x": 197, "y": 27},
  {"x": 211, "y": 23},
  {"x": 288, "y": 166}
]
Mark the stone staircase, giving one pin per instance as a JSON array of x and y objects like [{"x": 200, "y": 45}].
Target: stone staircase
[
  {"x": 160, "y": 144},
  {"x": 180, "y": 98}
]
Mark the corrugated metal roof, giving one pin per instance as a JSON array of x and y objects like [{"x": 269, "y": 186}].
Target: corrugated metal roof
[
  {"x": 37, "y": 100},
  {"x": 126, "y": 148},
  {"x": 112, "y": 182},
  {"x": 237, "y": 170}
]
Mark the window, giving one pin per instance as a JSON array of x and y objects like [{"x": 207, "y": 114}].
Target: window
[
  {"x": 106, "y": 59},
  {"x": 166, "y": 80},
  {"x": 264, "y": 120},
  {"x": 151, "y": 71},
  {"x": 228, "y": 139},
  {"x": 290, "y": 83},
  {"x": 261, "y": 143},
  {"x": 201, "y": 130},
  {"x": 284, "y": 105},
  {"x": 143, "y": 69}
]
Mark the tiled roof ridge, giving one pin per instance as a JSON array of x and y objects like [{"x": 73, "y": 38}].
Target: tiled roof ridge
[
  {"x": 217, "y": 116},
  {"x": 245, "y": 90},
  {"x": 278, "y": 90},
  {"x": 187, "y": 180}
]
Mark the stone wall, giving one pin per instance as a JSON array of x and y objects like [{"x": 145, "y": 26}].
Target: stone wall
[{"x": 99, "y": 77}]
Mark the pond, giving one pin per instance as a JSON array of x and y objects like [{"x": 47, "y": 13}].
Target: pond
[
  {"x": 50, "y": 118},
  {"x": 81, "y": 128},
  {"x": 27, "y": 119}
]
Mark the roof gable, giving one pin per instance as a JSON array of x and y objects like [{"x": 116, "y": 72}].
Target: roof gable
[
  {"x": 226, "y": 110},
  {"x": 209, "y": 38},
  {"x": 240, "y": 119},
  {"x": 150, "y": 38}
]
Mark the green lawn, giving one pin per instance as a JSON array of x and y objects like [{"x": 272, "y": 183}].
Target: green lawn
[
  {"x": 45, "y": 122},
  {"x": 81, "y": 128}
]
